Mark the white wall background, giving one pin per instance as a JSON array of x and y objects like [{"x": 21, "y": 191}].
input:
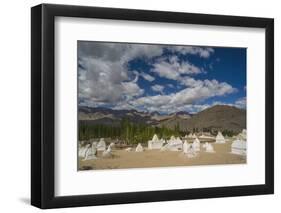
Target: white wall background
[{"x": 15, "y": 105}]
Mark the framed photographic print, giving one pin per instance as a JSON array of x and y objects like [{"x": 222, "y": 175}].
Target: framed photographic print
[{"x": 140, "y": 106}]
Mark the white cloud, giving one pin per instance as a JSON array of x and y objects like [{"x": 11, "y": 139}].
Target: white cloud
[
  {"x": 200, "y": 51},
  {"x": 131, "y": 89},
  {"x": 193, "y": 108},
  {"x": 163, "y": 71},
  {"x": 158, "y": 88},
  {"x": 142, "y": 50},
  {"x": 105, "y": 79},
  {"x": 187, "y": 96},
  {"x": 151, "y": 101},
  {"x": 117, "y": 52},
  {"x": 170, "y": 85},
  {"x": 101, "y": 80},
  {"x": 209, "y": 88},
  {"x": 173, "y": 68},
  {"x": 103, "y": 70},
  {"x": 241, "y": 103},
  {"x": 147, "y": 76},
  {"x": 191, "y": 82},
  {"x": 122, "y": 106}
]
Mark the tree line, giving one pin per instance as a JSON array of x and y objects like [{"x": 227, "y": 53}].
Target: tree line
[
  {"x": 133, "y": 133},
  {"x": 128, "y": 132}
]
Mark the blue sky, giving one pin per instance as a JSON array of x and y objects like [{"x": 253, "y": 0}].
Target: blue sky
[{"x": 163, "y": 78}]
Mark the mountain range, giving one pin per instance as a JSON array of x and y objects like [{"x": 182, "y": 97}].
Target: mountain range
[{"x": 218, "y": 117}]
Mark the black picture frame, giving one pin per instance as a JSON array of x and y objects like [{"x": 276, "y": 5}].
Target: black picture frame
[{"x": 43, "y": 94}]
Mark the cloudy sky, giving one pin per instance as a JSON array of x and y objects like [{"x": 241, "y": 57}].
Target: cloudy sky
[{"x": 163, "y": 78}]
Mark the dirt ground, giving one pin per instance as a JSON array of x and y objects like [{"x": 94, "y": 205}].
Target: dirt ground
[{"x": 122, "y": 159}]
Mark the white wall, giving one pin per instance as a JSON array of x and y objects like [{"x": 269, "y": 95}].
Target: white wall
[{"x": 15, "y": 105}]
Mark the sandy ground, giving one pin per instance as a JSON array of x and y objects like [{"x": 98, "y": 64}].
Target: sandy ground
[{"x": 155, "y": 158}]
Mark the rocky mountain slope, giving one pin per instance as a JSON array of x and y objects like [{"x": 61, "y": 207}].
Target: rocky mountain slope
[{"x": 218, "y": 117}]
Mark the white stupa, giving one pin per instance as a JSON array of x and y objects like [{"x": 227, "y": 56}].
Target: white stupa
[
  {"x": 139, "y": 148},
  {"x": 94, "y": 150},
  {"x": 190, "y": 135},
  {"x": 129, "y": 149},
  {"x": 174, "y": 144},
  {"x": 155, "y": 143},
  {"x": 204, "y": 145},
  {"x": 208, "y": 147},
  {"x": 186, "y": 147},
  {"x": 89, "y": 152},
  {"x": 155, "y": 138},
  {"x": 239, "y": 147},
  {"x": 80, "y": 150},
  {"x": 242, "y": 135},
  {"x": 188, "y": 150},
  {"x": 108, "y": 152},
  {"x": 196, "y": 145},
  {"x": 220, "y": 138},
  {"x": 101, "y": 145},
  {"x": 83, "y": 150}
]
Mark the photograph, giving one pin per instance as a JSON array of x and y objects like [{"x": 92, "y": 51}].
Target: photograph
[
  {"x": 159, "y": 105},
  {"x": 126, "y": 101}
]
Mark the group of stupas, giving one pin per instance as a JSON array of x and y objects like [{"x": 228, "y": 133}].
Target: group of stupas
[
  {"x": 90, "y": 151},
  {"x": 190, "y": 149},
  {"x": 176, "y": 144},
  {"x": 239, "y": 145}
]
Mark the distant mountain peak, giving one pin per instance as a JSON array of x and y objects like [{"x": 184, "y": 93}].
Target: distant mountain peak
[
  {"x": 154, "y": 113},
  {"x": 218, "y": 117},
  {"x": 221, "y": 107},
  {"x": 182, "y": 113}
]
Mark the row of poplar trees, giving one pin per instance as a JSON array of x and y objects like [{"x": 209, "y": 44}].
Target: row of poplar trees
[{"x": 127, "y": 132}]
